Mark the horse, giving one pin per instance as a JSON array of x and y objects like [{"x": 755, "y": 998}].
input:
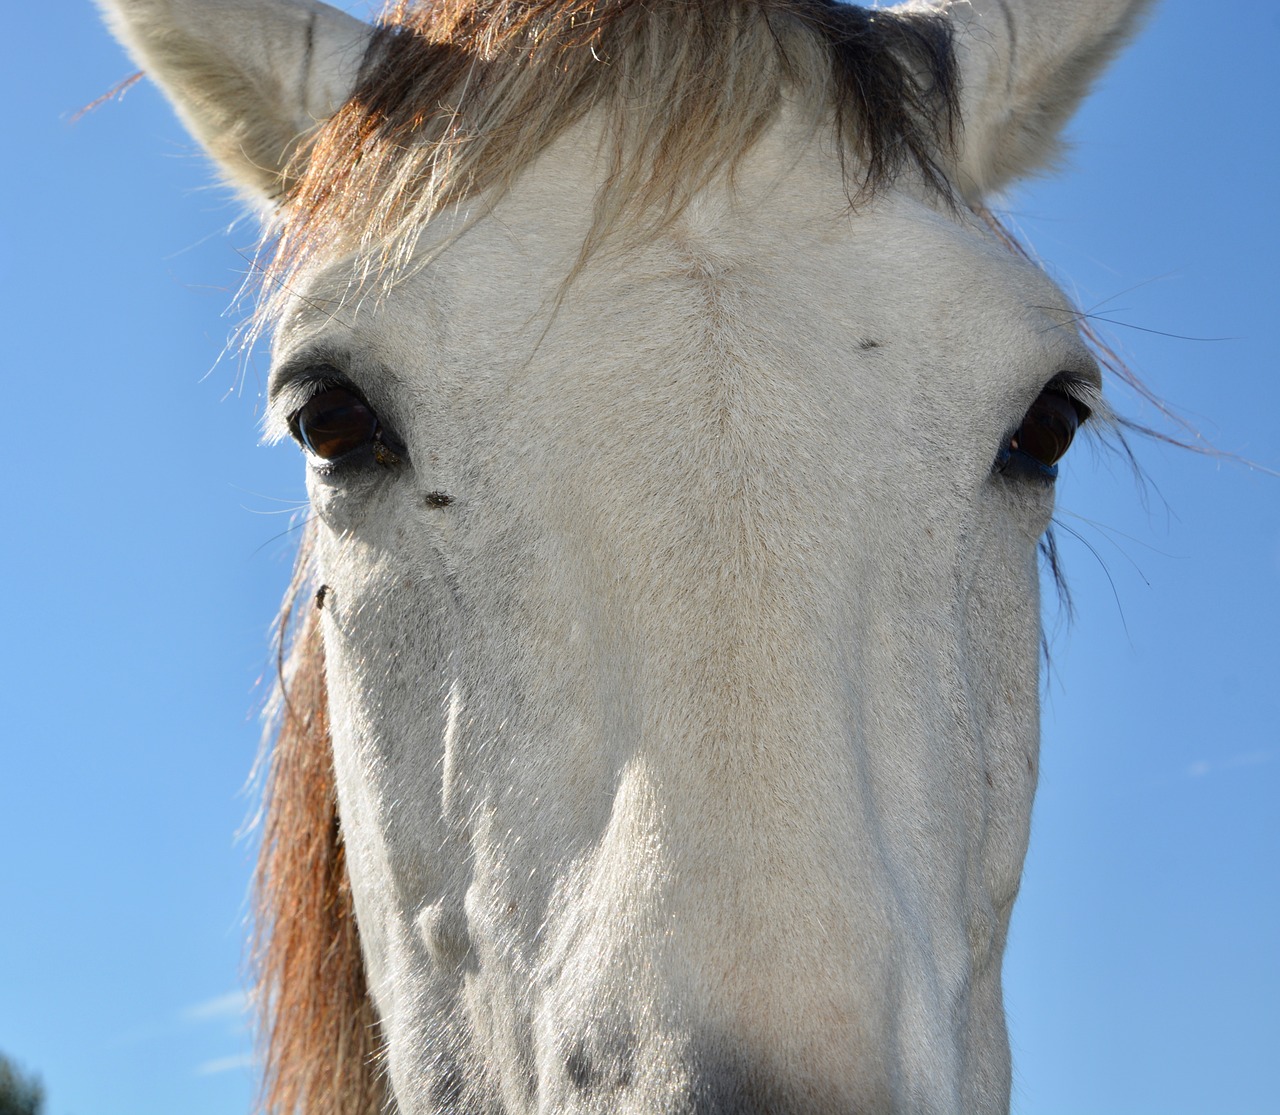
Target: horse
[{"x": 658, "y": 728}]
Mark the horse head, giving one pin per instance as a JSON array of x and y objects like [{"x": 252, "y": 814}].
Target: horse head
[{"x": 680, "y": 432}]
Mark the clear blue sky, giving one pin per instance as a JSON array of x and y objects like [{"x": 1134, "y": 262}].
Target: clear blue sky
[{"x": 146, "y": 546}]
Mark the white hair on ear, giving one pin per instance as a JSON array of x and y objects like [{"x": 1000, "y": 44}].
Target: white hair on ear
[
  {"x": 249, "y": 78},
  {"x": 1025, "y": 66}
]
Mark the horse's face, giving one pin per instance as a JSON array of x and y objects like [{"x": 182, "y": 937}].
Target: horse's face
[
  {"x": 682, "y": 642},
  {"x": 680, "y": 620}
]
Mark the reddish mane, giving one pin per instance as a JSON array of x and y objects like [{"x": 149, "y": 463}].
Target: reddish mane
[{"x": 319, "y": 1029}]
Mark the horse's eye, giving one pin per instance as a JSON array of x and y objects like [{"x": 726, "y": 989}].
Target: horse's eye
[
  {"x": 1047, "y": 429},
  {"x": 335, "y": 422}
]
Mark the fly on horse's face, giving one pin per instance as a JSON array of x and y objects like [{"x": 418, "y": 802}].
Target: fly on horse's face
[{"x": 680, "y": 614}]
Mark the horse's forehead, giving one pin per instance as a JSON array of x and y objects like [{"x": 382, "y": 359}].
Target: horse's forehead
[
  {"x": 769, "y": 270},
  {"x": 897, "y": 271}
]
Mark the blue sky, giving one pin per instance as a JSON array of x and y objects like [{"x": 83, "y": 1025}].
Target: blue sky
[{"x": 148, "y": 543}]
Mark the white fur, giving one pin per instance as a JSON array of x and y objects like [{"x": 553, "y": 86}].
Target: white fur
[
  {"x": 1026, "y": 65},
  {"x": 248, "y": 77},
  {"x": 686, "y": 759}
]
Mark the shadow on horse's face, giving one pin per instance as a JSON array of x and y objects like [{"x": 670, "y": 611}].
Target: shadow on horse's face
[{"x": 680, "y": 614}]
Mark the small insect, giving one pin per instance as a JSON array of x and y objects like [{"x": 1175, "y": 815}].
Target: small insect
[
  {"x": 322, "y": 594},
  {"x": 438, "y": 499},
  {"x": 384, "y": 454}
]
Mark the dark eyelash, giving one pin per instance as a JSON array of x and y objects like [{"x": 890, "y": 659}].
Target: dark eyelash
[
  {"x": 305, "y": 386},
  {"x": 1083, "y": 392}
]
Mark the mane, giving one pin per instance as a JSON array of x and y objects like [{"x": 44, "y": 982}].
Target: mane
[
  {"x": 317, "y": 1025},
  {"x": 455, "y": 99}
]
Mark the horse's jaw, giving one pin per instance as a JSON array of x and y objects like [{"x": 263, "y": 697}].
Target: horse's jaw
[{"x": 686, "y": 756}]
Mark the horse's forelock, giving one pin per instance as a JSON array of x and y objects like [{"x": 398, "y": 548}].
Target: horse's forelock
[
  {"x": 319, "y": 1033},
  {"x": 459, "y": 96}
]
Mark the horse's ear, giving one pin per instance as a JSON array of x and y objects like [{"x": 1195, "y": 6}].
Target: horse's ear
[
  {"x": 1025, "y": 66},
  {"x": 249, "y": 78}
]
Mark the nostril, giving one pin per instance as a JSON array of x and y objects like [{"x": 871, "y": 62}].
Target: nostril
[{"x": 727, "y": 1083}]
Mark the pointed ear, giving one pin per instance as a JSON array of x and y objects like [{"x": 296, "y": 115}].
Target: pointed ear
[
  {"x": 249, "y": 78},
  {"x": 1025, "y": 66}
]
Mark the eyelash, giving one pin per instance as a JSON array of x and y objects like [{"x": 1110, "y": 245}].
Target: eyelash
[{"x": 1046, "y": 431}]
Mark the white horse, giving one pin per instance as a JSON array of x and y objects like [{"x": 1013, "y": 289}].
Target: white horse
[{"x": 680, "y": 433}]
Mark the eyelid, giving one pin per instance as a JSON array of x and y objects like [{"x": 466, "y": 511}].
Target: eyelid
[
  {"x": 295, "y": 384},
  {"x": 1085, "y": 392}
]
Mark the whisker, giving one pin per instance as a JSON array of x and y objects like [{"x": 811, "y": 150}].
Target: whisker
[
  {"x": 1128, "y": 290},
  {"x": 1107, "y": 531},
  {"x": 1103, "y": 566},
  {"x": 290, "y": 510},
  {"x": 1085, "y": 315},
  {"x": 293, "y": 501},
  {"x": 290, "y": 529}
]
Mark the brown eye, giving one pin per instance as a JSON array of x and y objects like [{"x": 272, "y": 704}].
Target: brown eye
[
  {"x": 335, "y": 422},
  {"x": 1046, "y": 431}
]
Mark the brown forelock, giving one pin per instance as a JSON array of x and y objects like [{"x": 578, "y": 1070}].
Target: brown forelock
[
  {"x": 458, "y": 96},
  {"x": 318, "y": 1033}
]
